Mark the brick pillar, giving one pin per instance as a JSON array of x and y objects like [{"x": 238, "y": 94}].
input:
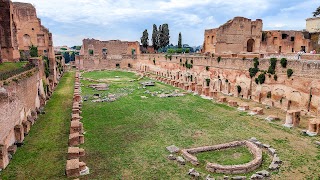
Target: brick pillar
[
  {"x": 19, "y": 134},
  {"x": 4, "y": 159}
]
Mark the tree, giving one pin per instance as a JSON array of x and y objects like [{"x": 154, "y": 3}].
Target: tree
[
  {"x": 145, "y": 38},
  {"x": 180, "y": 41},
  {"x": 160, "y": 37},
  {"x": 155, "y": 37},
  {"x": 66, "y": 56},
  {"x": 166, "y": 35},
  {"x": 317, "y": 12},
  {"x": 72, "y": 56},
  {"x": 33, "y": 51}
]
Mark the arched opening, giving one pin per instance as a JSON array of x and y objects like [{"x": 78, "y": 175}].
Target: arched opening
[
  {"x": 212, "y": 37},
  {"x": 26, "y": 40},
  {"x": 250, "y": 45}
]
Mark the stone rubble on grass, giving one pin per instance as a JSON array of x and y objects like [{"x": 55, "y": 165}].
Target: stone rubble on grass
[
  {"x": 276, "y": 159},
  {"x": 317, "y": 143},
  {"x": 172, "y": 157},
  {"x": 239, "y": 177},
  {"x": 173, "y": 149},
  {"x": 273, "y": 166},
  {"x": 272, "y": 151},
  {"x": 193, "y": 173},
  {"x": 266, "y": 145},
  {"x": 180, "y": 160},
  {"x": 144, "y": 97},
  {"x": 272, "y": 118},
  {"x": 263, "y": 173},
  {"x": 256, "y": 176},
  {"x": 253, "y": 139},
  {"x": 209, "y": 178}
]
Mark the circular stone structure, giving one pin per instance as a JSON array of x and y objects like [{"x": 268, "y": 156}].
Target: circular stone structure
[{"x": 227, "y": 169}]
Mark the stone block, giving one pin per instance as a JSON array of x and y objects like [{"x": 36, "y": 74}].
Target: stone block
[
  {"x": 4, "y": 158},
  {"x": 19, "y": 133},
  {"x": 75, "y": 152},
  {"x": 26, "y": 127},
  {"x": 75, "y": 139},
  {"x": 12, "y": 149},
  {"x": 180, "y": 160},
  {"x": 76, "y": 126},
  {"x": 173, "y": 149}
]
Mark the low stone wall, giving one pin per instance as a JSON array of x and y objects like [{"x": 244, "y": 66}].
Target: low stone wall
[
  {"x": 228, "y": 169},
  {"x": 74, "y": 166}
]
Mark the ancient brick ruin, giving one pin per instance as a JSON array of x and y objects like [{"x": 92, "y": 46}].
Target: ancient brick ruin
[
  {"x": 23, "y": 96},
  {"x": 242, "y": 35}
]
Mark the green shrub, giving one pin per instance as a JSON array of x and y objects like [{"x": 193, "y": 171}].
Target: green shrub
[
  {"x": 179, "y": 50},
  {"x": 187, "y": 50},
  {"x": 255, "y": 62},
  {"x": 253, "y": 72},
  {"x": 33, "y": 51},
  {"x": 272, "y": 67},
  {"x": 207, "y": 68},
  {"x": 289, "y": 73},
  {"x": 219, "y": 59},
  {"x": 256, "y": 80},
  {"x": 261, "y": 78},
  {"x": 284, "y": 62}
]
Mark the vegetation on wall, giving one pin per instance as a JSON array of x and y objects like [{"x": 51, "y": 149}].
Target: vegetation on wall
[
  {"x": 289, "y": 73},
  {"x": 46, "y": 66},
  {"x": 219, "y": 59},
  {"x": 33, "y": 51},
  {"x": 261, "y": 78},
  {"x": 284, "y": 62},
  {"x": 253, "y": 71},
  {"x": 272, "y": 67}
]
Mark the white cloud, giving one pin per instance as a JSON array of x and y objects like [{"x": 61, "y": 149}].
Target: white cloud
[{"x": 118, "y": 19}]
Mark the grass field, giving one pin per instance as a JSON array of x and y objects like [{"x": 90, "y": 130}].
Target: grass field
[
  {"x": 43, "y": 155},
  {"x": 126, "y": 139},
  {"x": 9, "y": 66}
]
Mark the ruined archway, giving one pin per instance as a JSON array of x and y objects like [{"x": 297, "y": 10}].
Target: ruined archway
[
  {"x": 26, "y": 40},
  {"x": 250, "y": 45}
]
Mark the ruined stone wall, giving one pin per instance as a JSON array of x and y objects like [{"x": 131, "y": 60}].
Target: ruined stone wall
[
  {"x": 285, "y": 42},
  {"x": 286, "y": 93},
  {"x": 20, "y": 97},
  {"x": 241, "y": 35},
  {"x": 8, "y": 41},
  {"x": 237, "y": 35},
  {"x": 113, "y": 49}
]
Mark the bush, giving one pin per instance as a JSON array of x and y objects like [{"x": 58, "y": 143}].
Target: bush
[
  {"x": 272, "y": 67},
  {"x": 256, "y": 80},
  {"x": 261, "y": 78},
  {"x": 253, "y": 72},
  {"x": 219, "y": 59},
  {"x": 170, "y": 57},
  {"x": 289, "y": 73},
  {"x": 255, "y": 62},
  {"x": 239, "y": 89},
  {"x": 33, "y": 51},
  {"x": 275, "y": 77},
  {"x": 284, "y": 62},
  {"x": 179, "y": 50},
  {"x": 187, "y": 50},
  {"x": 207, "y": 68}
]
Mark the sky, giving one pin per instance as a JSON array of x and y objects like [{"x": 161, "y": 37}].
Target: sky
[{"x": 70, "y": 21}]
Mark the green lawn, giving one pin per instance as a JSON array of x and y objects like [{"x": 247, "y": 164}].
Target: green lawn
[
  {"x": 43, "y": 155},
  {"x": 230, "y": 156},
  {"x": 9, "y": 66},
  {"x": 126, "y": 139}
]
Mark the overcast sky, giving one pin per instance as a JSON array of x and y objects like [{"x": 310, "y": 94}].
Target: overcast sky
[{"x": 72, "y": 20}]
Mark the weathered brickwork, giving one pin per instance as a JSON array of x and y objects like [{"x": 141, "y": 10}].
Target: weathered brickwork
[{"x": 241, "y": 35}]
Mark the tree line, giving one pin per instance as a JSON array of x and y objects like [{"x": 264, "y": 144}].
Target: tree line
[{"x": 160, "y": 37}]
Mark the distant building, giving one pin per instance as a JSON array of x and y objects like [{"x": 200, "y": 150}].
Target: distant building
[{"x": 313, "y": 25}]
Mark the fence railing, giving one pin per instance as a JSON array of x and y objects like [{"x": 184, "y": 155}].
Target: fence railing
[{"x": 8, "y": 74}]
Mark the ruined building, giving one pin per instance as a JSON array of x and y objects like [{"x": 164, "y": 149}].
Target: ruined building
[
  {"x": 19, "y": 29},
  {"x": 242, "y": 35},
  {"x": 23, "y": 95},
  {"x": 113, "y": 53}
]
